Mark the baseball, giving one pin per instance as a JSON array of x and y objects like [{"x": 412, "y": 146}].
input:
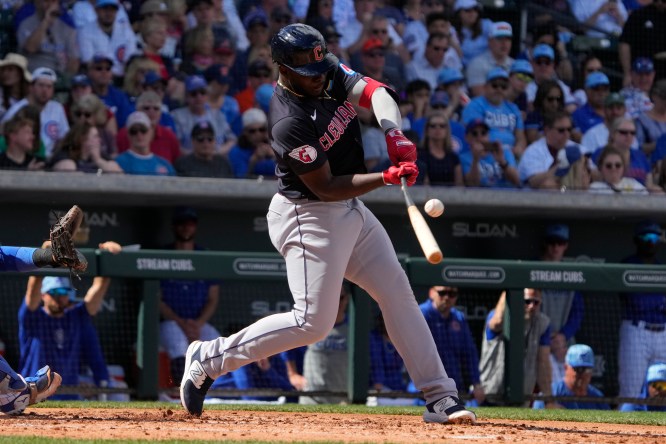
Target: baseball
[{"x": 434, "y": 208}]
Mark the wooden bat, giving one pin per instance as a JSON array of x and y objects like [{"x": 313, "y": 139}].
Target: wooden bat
[{"x": 428, "y": 243}]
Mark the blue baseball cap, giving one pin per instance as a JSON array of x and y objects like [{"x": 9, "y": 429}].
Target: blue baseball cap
[
  {"x": 103, "y": 3},
  {"x": 151, "y": 78},
  {"x": 195, "y": 83},
  {"x": 53, "y": 282},
  {"x": 499, "y": 30},
  {"x": 439, "y": 98},
  {"x": 642, "y": 65},
  {"x": 647, "y": 227},
  {"x": 522, "y": 66},
  {"x": 543, "y": 50},
  {"x": 580, "y": 355},
  {"x": 656, "y": 372},
  {"x": 449, "y": 75},
  {"x": 557, "y": 231},
  {"x": 497, "y": 73},
  {"x": 595, "y": 79}
]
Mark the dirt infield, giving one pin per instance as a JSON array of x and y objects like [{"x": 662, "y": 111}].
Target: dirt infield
[{"x": 216, "y": 425}]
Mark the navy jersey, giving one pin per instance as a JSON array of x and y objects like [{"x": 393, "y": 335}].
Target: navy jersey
[{"x": 308, "y": 131}]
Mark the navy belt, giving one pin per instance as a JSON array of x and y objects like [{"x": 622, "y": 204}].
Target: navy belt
[{"x": 648, "y": 326}]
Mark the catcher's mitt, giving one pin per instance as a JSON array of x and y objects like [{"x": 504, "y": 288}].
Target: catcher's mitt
[{"x": 62, "y": 246}]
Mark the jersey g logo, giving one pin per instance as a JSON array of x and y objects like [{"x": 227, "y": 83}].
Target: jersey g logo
[
  {"x": 305, "y": 154},
  {"x": 318, "y": 54}
]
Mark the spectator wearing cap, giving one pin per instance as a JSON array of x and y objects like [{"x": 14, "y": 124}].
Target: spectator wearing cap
[
  {"x": 521, "y": 75},
  {"x": 578, "y": 368},
  {"x": 101, "y": 79},
  {"x": 502, "y": 117},
  {"x": 47, "y": 41},
  {"x": 597, "y": 88},
  {"x": 20, "y": 140},
  {"x": 452, "y": 82},
  {"x": 473, "y": 30},
  {"x": 219, "y": 81},
  {"x": 486, "y": 163},
  {"x": 374, "y": 63},
  {"x": 653, "y": 387},
  {"x": 497, "y": 55},
  {"x": 651, "y": 124},
  {"x": 611, "y": 166},
  {"x": 643, "y": 328},
  {"x": 603, "y": 17},
  {"x": 253, "y": 156},
  {"x": 139, "y": 159},
  {"x": 53, "y": 119},
  {"x": 105, "y": 36},
  {"x": 435, "y": 57},
  {"x": 637, "y": 93},
  {"x": 164, "y": 142},
  {"x": 437, "y": 159},
  {"x": 597, "y": 136},
  {"x": 83, "y": 12},
  {"x": 197, "y": 109},
  {"x": 256, "y": 25},
  {"x": 203, "y": 161},
  {"x": 395, "y": 54},
  {"x": 225, "y": 53},
  {"x": 543, "y": 64},
  {"x": 642, "y": 36},
  {"x": 258, "y": 73},
  {"x": 539, "y": 163},
  {"x": 15, "y": 80}
]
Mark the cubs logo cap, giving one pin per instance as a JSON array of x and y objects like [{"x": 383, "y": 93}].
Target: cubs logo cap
[
  {"x": 642, "y": 65},
  {"x": 44, "y": 74},
  {"x": 580, "y": 355},
  {"x": 565, "y": 158}
]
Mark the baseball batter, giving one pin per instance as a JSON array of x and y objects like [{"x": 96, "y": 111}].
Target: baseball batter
[{"x": 323, "y": 230}]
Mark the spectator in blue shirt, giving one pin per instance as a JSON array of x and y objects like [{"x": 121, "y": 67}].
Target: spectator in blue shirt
[
  {"x": 139, "y": 159},
  {"x": 253, "y": 156},
  {"x": 101, "y": 80},
  {"x": 654, "y": 387},
  {"x": 387, "y": 370},
  {"x": 597, "y": 88}
]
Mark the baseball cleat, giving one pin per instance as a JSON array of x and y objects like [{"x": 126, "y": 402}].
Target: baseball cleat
[
  {"x": 195, "y": 382},
  {"x": 43, "y": 384},
  {"x": 450, "y": 410},
  {"x": 35, "y": 389}
]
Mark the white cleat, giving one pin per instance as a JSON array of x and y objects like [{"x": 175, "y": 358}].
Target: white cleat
[{"x": 448, "y": 410}]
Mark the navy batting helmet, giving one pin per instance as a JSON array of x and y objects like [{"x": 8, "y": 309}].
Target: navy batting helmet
[{"x": 302, "y": 49}]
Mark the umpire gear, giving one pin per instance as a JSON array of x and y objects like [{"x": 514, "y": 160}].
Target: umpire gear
[{"x": 302, "y": 49}]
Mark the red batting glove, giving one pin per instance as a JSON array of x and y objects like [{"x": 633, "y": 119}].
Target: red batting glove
[
  {"x": 400, "y": 148},
  {"x": 393, "y": 174}
]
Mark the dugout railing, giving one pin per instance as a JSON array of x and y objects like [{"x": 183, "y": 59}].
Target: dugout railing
[{"x": 147, "y": 267}]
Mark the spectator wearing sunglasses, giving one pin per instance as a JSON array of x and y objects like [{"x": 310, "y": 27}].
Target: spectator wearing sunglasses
[
  {"x": 258, "y": 73},
  {"x": 203, "y": 161},
  {"x": 253, "y": 156},
  {"x": 502, "y": 117},
  {"x": 91, "y": 110},
  {"x": 613, "y": 181},
  {"x": 643, "y": 328},
  {"x": 139, "y": 159},
  {"x": 537, "y": 348},
  {"x": 543, "y": 64},
  {"x": 653, "y": 387},
  {"x": 55, "y": 326},
  {"x": 521, "y": 74},
  {"x": 599, "y": 135},
  {"x": 549, "y": 99},
  {"x": 101, "y": 80},
  {"x": 578, "y": 369},
  {"x": 437, "y": 55}
]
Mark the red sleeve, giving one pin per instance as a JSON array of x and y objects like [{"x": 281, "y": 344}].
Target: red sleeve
[
  {"x": 122, "y": 140},
  {"x": 174, "y": 145},
  {"x": 372, "y": 84}
]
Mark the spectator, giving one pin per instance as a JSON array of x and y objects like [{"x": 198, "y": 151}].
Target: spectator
[
  {"x": 152, "y": 81},
  {"x": 263, "y": 96},
  {"x": 611, "y": 167},
  {"x": 47, "y": 41},
  {"x": 256, "y": 26},
  {"x": 83, "y": 12},
  {"x": 164, "y": 142},
  {"x": 89, "y": 109},
  {"x": 186, "y": 306},
  {"x": 395, "y": 54},
  {"x": 658, "y": 164},
  {"x": 219, "y": 81},
  {"x": 318, "y": 11},
  {"x": 537, "y": 348},
  {"x": 416, "y": 105},
  {"x": 54, "y": 123},
  {"x": 643, "y": 328},
  {"x": 651, "y": 124},
  {"x": 602, "y": 16},
  {"x": 359, "y": 28},
  {"x": 597, "y": 136},
  {"x": 438, "y": 163},
  {"x": 14, "y": 80},
  {"x": 138, "y": 159},
  {"x": 452, "y": 82},
  {"x": 20, "y": 138},
  {"x": 453, "y": 338},
  {"x": 79, "y": 87},
  {"x": 579, "y": 364},
  {"x": 416, "y": 31},
  {"x": 637, "y": 93},
  {"x": 521, "y": 74},
  {"x": 253, "y": 156},
  {"x": 198, "y": 110},
  {"x": 258, "y": 73},
  {"x": 564, "y": 308},
  {"x": 549, "y": 33},
  {"x": 502, "y": 117},
  {"x": 135, "y": 72},
  {"x": 387, "y": 370},
  {"x": 332, "y": 38},
  {"x": 558, "y": 351},
  {"x": 325, "y": 361},
  {"x": 590, "y": 64},
  {"x": 81, "y": 150},
  {"x": 101, "y": 80},
  {"x": 434, "y": 58},
  {"x": 30, "y": 112},
  {"x": 497, "y": 56},
  {"x": 203, "y": 161},
  {"x": 106, "y": 36},
  {"x": 486, "y": 163},
  {"x": 293, "y": 361},
  {"x": 373, "y": 63},
  {"x": 597, "y": 88},
  {"x": 538, "y": 165},
  {"x": 54, "y": 328},
  {"x": 473, "y": 31},
  {"x": 549, "y": 99},
  {"x": 653, "y": 387},
  {"x": 198, "y": 47},
  {"x": 641, "y": 37},
  {"x": 543, "y": 63},
  {"x": 154, "y": 38}
]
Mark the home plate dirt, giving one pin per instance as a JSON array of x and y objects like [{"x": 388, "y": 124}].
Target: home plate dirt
[{"x": 218, "y": 425}]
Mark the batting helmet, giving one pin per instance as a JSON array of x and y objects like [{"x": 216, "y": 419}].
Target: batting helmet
[{"x": 302, "y": 49}]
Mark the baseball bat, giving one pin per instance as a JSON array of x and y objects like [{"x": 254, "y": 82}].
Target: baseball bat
[{"x": 428, "y": 243}]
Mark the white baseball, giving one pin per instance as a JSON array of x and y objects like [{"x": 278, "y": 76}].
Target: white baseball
[{"x": 434, "y": 208}]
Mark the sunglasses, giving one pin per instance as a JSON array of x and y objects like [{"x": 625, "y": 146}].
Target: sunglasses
[
  {"x": 524, "y": 78},
  {"x": 151, "y": 108},
  {"x": 626, "y": 132},
  {"x": 202, "y": 139},
  {"x": 87, "y": 115},
  {"x": 479, "y": 133},
  {"x": 138, "y": 129},
  {"x": 437, "y": 125},
  {"x": 449, "y": 293},
  {"x": 543, "y": 62},
  {"x": 59, "y": 292},
  {"x": 102, "y": 68},
  {"x": 199, "y": 92},
  {"x": 499, "y": 85},
  {"x": 652, "y": 238},
  {"x": 566, "y": 129},
  {"x": 534, "y": 302},
  {"x": 582, "y": 370},
  {"x": 553, "y": 99},
  {"x": 611, "y": 165},
  {"x": 255, "y": 130}
]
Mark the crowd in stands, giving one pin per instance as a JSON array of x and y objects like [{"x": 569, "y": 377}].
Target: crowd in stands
[{"x": 175, "y": 87}]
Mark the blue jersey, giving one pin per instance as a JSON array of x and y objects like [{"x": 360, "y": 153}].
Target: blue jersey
[
  {"x": 491, "y": 173},
  {"x": 17, "y": 259},
  {"x": 386, "y": 366},
  {"x": 454, "y": 343},
  {"x": 119, "y": 104},
  {"x": 239, "y": 158},
  {"x": 148, "y": 165},
  {"x": 503, "y": 120},
  {"x": 643, "y": 306},
  {"x": 585, "y": 118},
  {"x": 561, "y": 389}
]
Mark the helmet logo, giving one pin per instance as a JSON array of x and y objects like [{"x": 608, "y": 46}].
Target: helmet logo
[{"x": 318, "y": 53}]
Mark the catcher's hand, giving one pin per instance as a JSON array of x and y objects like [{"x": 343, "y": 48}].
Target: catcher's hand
[{"x": 62, "y": 247}]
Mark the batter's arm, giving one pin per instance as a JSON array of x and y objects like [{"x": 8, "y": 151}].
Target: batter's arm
[
  {"x": 382, "y": 103},
  {"x": 330, "y": 188}
]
